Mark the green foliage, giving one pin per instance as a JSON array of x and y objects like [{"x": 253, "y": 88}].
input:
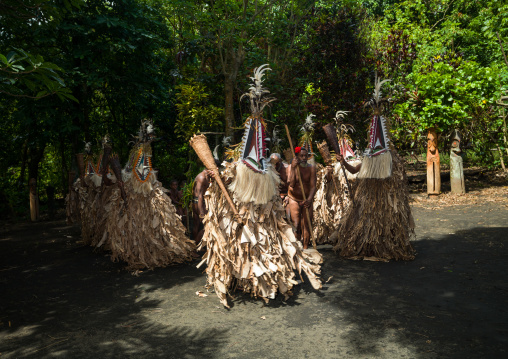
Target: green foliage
[
  {"x": 446, "y": 95},
  {"x": 188, "y": 194},
  {"x": 26, "y": 75},
  {"x": 195, "y": 112},
  {"x": 186, "y": 63}
]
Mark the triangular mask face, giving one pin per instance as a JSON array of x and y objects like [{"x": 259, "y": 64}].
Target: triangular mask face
[
  {"x": 90, "y": 169},
  {"x": 98, "y": 168},
  {"x": 378, "y": 137},
  {"x": 345, "y": 150},
  {"x": 143, "y": 166},
  {"x": 254, "y": 153}
]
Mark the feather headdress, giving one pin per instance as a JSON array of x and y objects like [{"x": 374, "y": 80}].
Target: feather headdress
[
  {"x": 256, "y": 92},
  {"x": 307, "y": 133},
  {"x": 342, "y": 133},
  {"x": 253, "y": 149},
  {"x": 276, "y": 141},
  {"x": 377, "y": 162},
  {"x": 255, "y": 180}
]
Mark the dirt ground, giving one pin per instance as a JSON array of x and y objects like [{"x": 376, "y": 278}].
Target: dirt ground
[{"x": 59, "y": 299}]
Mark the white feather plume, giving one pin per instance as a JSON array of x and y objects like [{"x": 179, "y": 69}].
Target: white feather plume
[{"x": 257, "y": 91}]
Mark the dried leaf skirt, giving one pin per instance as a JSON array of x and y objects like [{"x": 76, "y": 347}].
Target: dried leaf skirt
[
  {"x": 147, "y": 233},
  {"x": 72, "y": 203},
  {"x": 328, "y": 207},
  {"x": 93, "y": 215},
  {"x": 380, "y": 224},
  {"x": 261, "y": 266},
  {"x": 331, "y": 202}
]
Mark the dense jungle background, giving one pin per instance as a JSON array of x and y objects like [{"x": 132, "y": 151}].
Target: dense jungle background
[{"x": 74, "y": 70}]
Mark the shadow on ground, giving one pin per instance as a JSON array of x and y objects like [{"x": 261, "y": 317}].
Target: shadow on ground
[
  {"x": 450, "y": 302},
  {"x": 59, "y": 299}
]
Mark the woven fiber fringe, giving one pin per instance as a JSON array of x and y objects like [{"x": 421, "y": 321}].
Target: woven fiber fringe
[
  {"x": 72, "y": 204},
  {"x": 148, "y": 233},
  {"x": 249, "y": 186},
  {"x": 262, "y": 269},
  {"x": 380, "y": 225},
  {"x": 379, "y": 166}
]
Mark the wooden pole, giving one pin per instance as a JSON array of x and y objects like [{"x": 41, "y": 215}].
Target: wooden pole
[
  {"x": 303, "y": 189},
  {"x": 206, "y": 157}
]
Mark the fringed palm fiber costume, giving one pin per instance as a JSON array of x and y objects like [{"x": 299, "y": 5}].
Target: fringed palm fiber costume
[
  {"x": 327, "y": 207},
  {"x": 72, "y": 208},
  {"x": 255, "y": 251},
  {"x": 147, "y": 233},
  {"x": 380, "y": 224},
  {"x": 332, "y": 197},
  {"x": 94, "y": 197}
]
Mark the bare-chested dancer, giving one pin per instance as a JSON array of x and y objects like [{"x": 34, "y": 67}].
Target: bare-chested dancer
[
  {"x": 298, "y": 206},
  {"x": 201, "y": 183},
  {"x": 176, "y": 198}
]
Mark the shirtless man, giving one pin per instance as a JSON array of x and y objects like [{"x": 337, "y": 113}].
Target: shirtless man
[
  {"x": 281, "y": 169},
  {"x": 298, "y": 206},
  {"x": 201, "y": 184},
  {"x": 176, "y": 197}
]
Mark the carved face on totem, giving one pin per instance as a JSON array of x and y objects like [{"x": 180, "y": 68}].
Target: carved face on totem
[
  {"x": 432, "y": 141},
  {"x": 456, "y": 142}
]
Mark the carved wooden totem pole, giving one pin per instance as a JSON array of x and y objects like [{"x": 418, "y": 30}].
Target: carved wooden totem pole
[
  {"x": 456, "y": 165},
  {"x": 34, "y": 200},
  {"x": 433, "y": 169}
]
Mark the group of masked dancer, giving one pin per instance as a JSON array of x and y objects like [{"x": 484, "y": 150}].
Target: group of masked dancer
[
  {"x": 127, "y": 211},
  {"x": 260, "y": 214}
]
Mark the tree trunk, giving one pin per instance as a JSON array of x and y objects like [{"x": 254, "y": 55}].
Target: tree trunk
[
  {"x": 34, "y": 200},
  {"x": 504, "y": 132},
  {"x": 228, "y": 105},
  {"x": 36, "y": 155},
  {"x": 501, "y": 158},
  {"x": 23, "y": 163}
]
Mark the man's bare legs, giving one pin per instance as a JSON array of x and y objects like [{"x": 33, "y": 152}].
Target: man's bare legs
[{"x": 299, "y": 218}]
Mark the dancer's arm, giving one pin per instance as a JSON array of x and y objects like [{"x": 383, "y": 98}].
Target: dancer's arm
[{"x": 347, "y": 166}]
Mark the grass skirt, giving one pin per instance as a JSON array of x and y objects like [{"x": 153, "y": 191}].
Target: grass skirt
[
  {"x": 330, "y": 204},
  {"x": 328, "y": 207},
  {"x": 93, "y": 216},
  {"x": 261, "y": 266},
  {"x": 147, "y": 233},
  {"x": 380, "y": 225},
  {"x": 72, "y": 203}
]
